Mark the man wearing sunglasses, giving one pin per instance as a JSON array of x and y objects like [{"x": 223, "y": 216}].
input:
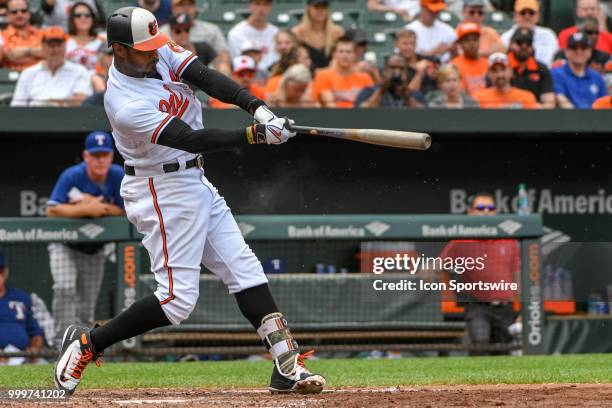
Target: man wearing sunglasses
[
  {"x": 20, "y": 42},
  {"x": 527, "y": 15},
  {"x": 488, "y": 313},
  {"x": 589, "y": 9},
  {"x": 490, "y": 41},
  {"x": 180, "y": 30}
]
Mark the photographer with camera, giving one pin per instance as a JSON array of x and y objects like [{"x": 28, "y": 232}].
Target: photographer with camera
[{"x": 393, "y": 91}]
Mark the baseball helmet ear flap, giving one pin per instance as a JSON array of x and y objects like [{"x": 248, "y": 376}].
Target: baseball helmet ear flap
[{"x": 135, "y": 27}]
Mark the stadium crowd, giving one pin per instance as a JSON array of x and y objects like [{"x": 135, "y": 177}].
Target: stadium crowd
[{"x": 61, "y": 55}]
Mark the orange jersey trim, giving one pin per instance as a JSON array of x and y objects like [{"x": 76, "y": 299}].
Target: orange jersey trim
[
  {"x": 164, "y": 242},
  {"x": 159, "y": 128},
  {"x": 179, "y": 71}
]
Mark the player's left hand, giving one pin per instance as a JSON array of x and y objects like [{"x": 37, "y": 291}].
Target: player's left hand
[
  {"x": 279, "y": 130},
  {"x": 264, "y": 115}
]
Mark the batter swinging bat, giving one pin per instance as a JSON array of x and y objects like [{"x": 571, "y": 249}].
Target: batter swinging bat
[{"x": 391, "y": 138}]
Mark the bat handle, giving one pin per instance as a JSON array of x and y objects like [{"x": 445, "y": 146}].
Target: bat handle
[{"x": 288, "y": 124}]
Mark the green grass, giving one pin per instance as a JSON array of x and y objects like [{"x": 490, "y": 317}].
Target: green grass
[{"x": 354, "y": 372}]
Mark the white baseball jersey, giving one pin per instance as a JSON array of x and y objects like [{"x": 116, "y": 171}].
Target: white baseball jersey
[
  {"x": 140, "y": 108},
  {"x": 184, "y": 220}
]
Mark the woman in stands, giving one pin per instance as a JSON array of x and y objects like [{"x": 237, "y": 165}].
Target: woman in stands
[
  {"x": 449, "y": 94},
  {"x": 318, "y": 32},
  {"x": 294, "y": 55},
  {"x": 83, "y": 44},
  {"x": 294, "y": 89}
]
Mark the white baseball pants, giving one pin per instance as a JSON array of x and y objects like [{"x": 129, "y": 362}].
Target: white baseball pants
[{"x": 185, "y": 223}]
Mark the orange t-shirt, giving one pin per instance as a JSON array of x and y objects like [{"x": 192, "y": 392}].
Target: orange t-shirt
[
  {"x": 272, "y": 85},
  {"x": 11, "y": 38},
  {"x": 255, "y": 90},
  {"x": 605, "y": 102},
  {"x": 345, "y": 88},
  {"x": 491, "y": 98},
  {"x": 473, "y": 72}
]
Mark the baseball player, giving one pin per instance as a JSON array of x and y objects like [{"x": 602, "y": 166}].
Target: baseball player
[
  {"x": 158, "y": 129},
  {"x": 86, "y": 190}
]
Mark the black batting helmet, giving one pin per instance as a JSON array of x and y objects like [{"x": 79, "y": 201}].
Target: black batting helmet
[{"x": 135, "y": 27}]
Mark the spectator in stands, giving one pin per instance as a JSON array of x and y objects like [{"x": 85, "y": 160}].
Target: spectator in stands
[
  {"x": 339, "y": 85},
  {"x": 586, "y": 9},
  {"x": 161, "y": 9},
  {"x": 527, "y": 15},
  {"x": 576, "y": 85},
  {"x": 53, "y": 81},
  {"x": 294, "y": 55},
  {"x": 90, "y": 189},
  {"x": 203, "y": 32},
  {"x": 488, "y": 313},
  {"x": 294, "y": 89},
  {"x": 502, "y": 95},
  {"x": 490, "y": 41},
  {"x": 3, "y": 21},
  {"x": 100, "y": 77},
  {"x": 407, "y": 9},
  {"x": 180, "y": 28},
  {"x": 244, "y": 68},
  {"x": 257, "y": 28},
  {"x": 530, "y": 74},
  {"x": 360, "y": 39},
  {"x": 55, "y": 12},
  {"x": 21, "y": 42},
  {"x": 472, "y": 67},
  {"x": 599, "y": 59},
  {"x": 83, "y": 44},
  {"x": 450, "y": 94},
  {"x": 284, "y": 40},
  {"x": 18, "y": 327},
  {"x": 421, "y": 71},
  {"x": 434, "y": 38},
  {"x": 254, "y": 50},
  {"x": 370, "y": 68},
  {"x": 394, "y": 89},
  {"x": 317, "y": 32},
  {"x": 605, "y": 102}
]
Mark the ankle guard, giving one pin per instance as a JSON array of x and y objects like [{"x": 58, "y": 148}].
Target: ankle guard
[{"x": 275, "y": 334}]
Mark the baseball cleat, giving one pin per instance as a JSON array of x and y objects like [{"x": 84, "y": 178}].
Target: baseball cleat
[
  {"x": 77, "y": 352},
  {"x": 299, "y": 381}
]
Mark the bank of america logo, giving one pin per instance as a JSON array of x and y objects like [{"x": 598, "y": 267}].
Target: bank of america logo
[
  {"x": 510, "y": 227},
  {"x": 377, "y": 228},
  {"x": 91, "y": 230},
  {"x": 245, "y": 228}
]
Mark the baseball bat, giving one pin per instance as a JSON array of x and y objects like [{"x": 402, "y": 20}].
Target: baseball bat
[{"x": 391, "y": 138}]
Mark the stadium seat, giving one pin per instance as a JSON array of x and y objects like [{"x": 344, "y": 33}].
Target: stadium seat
[
  {"x": 561, "y": 14},
  {"x": 376, "y": 21},
  {"x": 8, "y": 81},
  {"x": 499, "y": 21}
]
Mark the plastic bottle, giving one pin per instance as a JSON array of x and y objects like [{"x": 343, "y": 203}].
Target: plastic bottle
[{"x": 523, "y": 200}]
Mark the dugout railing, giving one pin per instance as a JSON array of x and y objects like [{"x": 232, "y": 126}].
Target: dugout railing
[{"x": 331, "y": 311}]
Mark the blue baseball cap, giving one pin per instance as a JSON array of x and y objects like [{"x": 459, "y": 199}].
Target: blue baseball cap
[{"x": 99, "y": 142}]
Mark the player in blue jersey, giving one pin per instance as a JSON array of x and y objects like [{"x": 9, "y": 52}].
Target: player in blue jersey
[
  {"x": 18, "y": 327},
  {"x": 86, "y": 190}
]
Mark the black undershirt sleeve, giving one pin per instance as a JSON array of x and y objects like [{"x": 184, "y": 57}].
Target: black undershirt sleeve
[
  {"x": 178, "y": 135},
  {"x": 220, "y": 86}
]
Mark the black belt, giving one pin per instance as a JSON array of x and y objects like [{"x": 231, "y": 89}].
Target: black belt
[{"x": 198, "y": 161}]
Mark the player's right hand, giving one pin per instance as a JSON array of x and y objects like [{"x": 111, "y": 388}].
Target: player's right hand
[{"x": 277, "y": 131}]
